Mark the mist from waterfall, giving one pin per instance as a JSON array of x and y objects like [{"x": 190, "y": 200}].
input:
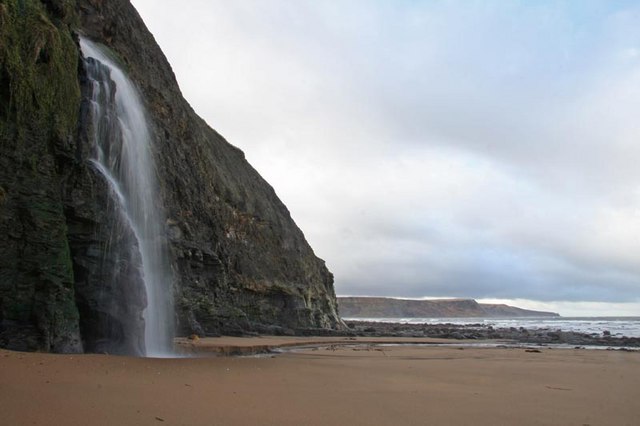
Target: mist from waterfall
[{"x": 123, "y": 155}]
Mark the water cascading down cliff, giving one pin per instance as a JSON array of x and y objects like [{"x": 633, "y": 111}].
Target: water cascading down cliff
[
  {"x": 125, "y": 220},
  {"x": 122, "y": 144}
]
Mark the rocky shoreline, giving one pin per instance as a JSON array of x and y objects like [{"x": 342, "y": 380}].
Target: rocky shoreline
[{"x": 479, "y": 331}]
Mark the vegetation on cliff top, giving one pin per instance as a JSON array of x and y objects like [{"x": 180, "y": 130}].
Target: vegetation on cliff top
[{"x": 39, "y": 91}]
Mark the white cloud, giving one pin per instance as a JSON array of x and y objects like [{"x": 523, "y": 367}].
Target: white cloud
[{"x": 481, "y": 149}]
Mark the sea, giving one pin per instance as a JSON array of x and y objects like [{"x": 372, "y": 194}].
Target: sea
[{"x": 617, "y": 326}]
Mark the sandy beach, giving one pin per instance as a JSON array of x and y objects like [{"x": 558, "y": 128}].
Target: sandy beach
[{"x": 330, "y": 385}]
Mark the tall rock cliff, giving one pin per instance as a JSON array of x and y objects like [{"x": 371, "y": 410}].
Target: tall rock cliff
[
  {"x": 238, "y": 260},
  {"x": 39, "y": 104}
]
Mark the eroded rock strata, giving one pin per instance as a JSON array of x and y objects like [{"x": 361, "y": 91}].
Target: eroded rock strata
[{"x": 240, "y": 263}]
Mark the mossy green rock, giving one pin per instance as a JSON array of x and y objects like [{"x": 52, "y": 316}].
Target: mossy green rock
[{"x": 39, "y": 101}]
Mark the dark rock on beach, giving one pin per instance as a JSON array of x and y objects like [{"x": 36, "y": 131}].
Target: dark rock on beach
[{"x": 484, "y": 332}]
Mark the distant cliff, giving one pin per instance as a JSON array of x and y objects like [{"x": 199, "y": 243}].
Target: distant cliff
[
  {"x": 382, "y": 307},
  {"x": 238, "y": 261}
]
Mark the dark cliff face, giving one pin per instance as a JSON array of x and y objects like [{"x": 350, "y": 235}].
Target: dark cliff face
[
  {"x": 239, "y": 261},
  {"x": 39, "y": 100}
]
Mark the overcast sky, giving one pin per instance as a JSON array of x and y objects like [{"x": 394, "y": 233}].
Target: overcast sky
[{"x": 485, "y": 149}]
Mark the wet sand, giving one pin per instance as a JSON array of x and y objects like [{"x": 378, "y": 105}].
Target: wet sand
[{"x": 333, "y": 385}]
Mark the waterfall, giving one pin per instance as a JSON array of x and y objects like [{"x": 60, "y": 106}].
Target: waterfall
[{"x": 123, "y": 156}]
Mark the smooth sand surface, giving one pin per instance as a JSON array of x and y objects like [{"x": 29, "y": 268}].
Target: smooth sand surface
[{"x": 365, "y": 385}]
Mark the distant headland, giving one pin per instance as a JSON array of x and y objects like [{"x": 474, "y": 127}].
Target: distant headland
[{"x": 384, "y": 307}]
